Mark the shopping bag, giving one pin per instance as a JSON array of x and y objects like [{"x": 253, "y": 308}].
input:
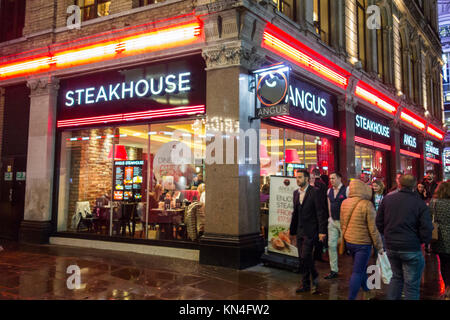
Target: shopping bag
[
  {"x": 153, "y": 233},
  {"x": 341, "y": 248},
  {"x": 385, "y": 267}
]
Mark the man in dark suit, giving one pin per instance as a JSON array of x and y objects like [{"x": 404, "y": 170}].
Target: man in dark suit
[
  {"x": 317, "y": 182},
  {"x": 308, "y": 225}
]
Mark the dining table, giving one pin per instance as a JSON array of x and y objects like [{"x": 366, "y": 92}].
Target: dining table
[{"x": 167, "y": 219}]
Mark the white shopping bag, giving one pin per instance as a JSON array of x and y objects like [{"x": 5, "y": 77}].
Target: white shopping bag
[{"x": 385, "y": 268}]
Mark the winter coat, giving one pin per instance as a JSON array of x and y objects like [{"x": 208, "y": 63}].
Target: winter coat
[
  {"x": 358, "y": 216},
  {"x": 404, "y": 220},
  {"x": 440, "y": 210}
]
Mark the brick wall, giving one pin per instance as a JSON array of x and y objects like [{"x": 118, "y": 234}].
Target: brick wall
[{"x": 91, "y": 170}]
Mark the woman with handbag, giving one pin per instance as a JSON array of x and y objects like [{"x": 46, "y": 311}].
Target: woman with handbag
[
  {"x": 440, "y": 213},
  {"x": 360, "y": 233}
]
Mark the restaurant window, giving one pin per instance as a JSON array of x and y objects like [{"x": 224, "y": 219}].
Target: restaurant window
[
  {"x": 321, "y": 18},
  {"x": 91, "y": 9},
  {"x": 371, "y": 162},
  {"x": 362, "y": 36},
  {"x": 408, "y": 165},
  {"x": 12, "y": 19},
  {"x": 123, "y": 181}
]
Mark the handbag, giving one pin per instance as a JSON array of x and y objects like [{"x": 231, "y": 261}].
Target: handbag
[
  {"x": 385, "y": 268},
  {"x": 435, "y": 234}
]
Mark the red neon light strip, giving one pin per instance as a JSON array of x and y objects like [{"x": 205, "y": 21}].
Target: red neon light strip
[
  {"x": 306, "y": 125},
  {"x": 409, "y": 153},
  {"x": 133, "y": 116},
  {"x": 433, "y": 160},
  {"x": 373, "y": 143},
  {"x": 158, "y": 39},
  {"x": 435, "y": 132},
  {"x": 369, "y": 94},
  {"x": 413, "y": 119},
  {"x": 281, "y": 43}
]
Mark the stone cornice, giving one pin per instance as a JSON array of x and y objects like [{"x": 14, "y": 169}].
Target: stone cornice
[
  {"x": 233, "y": 54},
  {"x": 43, "y": 86}
]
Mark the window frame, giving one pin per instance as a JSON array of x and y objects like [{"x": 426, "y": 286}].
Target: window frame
[
  {"x": 95, "y": 5},
  {"x": 18, "y": 24},
  {"x": 361, "y": 7}
]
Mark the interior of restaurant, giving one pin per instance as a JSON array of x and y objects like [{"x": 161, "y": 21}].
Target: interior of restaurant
[{"x": 141, "y": 181}]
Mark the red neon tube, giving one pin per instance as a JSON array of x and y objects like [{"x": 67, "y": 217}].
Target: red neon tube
[
  {"x": 435, "y": 132},
  {"x": 161, "y": 113},
  {"x": 410, "y": 154},
  {"x": 369, "y": 94},
  {"x": 155, "y": 40},
  {"x": 433, "y": 160},
  {"x": 281, "y": 43},
  {"x": 413, "y": 119},
  {"x": 306, "y": 125},
  {"x": 373, "y": 143}
]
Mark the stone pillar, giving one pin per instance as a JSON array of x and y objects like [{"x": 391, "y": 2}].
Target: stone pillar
[
  {"x": 421, "y": 161},
  {"x": 306, "y": 10},
  {"x": 337, "y": 28},
  {"x": 346, "y": 118},
  {"x": 394, "y": 156},
  {"x": 232, "y": 229},
  {"x": 2, "y": 117},
  {"x": 36, "y": 226}
]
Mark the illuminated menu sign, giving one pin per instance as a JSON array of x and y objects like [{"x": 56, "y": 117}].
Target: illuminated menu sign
[
  {"x": 128, "y": 180},
  {"x": 175, "y": 83}
]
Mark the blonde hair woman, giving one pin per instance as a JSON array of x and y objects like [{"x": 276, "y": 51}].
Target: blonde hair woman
[{"x": 201, "y": 211}]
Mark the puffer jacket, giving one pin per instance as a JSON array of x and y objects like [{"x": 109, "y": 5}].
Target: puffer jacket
[{"x": 358, "y": 216}]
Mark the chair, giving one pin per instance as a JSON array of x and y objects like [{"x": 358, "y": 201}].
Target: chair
[{"x": 128, "y": 210}]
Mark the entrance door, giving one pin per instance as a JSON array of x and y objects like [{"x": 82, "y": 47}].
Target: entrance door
[
  {"x": 13, "y": 160},
  {"x": 12, "y": 196}
]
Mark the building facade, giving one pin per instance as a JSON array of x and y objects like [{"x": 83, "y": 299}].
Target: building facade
[
  {"x": 90, "y": 114},
  {"x": 444, "y": 30}
]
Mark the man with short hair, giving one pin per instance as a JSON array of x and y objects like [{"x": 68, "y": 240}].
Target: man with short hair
[
  {"x": 308, "y": 225},
  {"x": 404, "y": 220},
  {"x": 336, "y": 195}
]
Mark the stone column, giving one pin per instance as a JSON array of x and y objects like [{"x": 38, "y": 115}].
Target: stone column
[
  {"x": 337, "y": 28},
  {"x": 394, "y": 155},
  {"x": 2, "y": 117},
  {"x": 306, "y": 10},
  {"x": 346, "y": 151},
  {"x": 36, "y": 226},
  {"x": 421, "y": 161},
  {"x": 232, "y": 229}
]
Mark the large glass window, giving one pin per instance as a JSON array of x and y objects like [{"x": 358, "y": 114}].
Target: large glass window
[
  {"x": 133, "y": 181},
  {"x": 12, "y": 19},
  {"x": 371, "y": 163},
  {"x": 362, "y": 36},
  {"x": 91, "y": 9},
  {"x": 408, "y": 165},
  {"x": 287, "y": 7},
  {"x": 321, "y": 18}
]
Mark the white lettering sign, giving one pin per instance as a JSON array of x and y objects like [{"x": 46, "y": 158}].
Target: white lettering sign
[
  {"x": 121, "y": 91},
  {"x": 306, "y": 100},
  {"x": 431, "y": 148},
  {"x": 372, "y": 126},
  {"x": 409, "y": 141}
]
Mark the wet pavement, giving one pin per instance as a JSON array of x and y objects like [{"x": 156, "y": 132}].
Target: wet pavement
[{"x": 39, "y": 273}]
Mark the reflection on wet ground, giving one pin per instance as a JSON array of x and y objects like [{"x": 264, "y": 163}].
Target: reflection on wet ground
[{"x": 39, "y": 272}]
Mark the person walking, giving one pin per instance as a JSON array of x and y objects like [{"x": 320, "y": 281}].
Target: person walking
[
  {"x": 422, "y": 191},
  {"x": 336, "y": 195},
  {"x": 360, "y": 233},
  {"x": 404, "y": 220},
  {"x": 440, "y": 211},
  {"x": 430, "y": 184},
  {"x": 378, "y": 193},
  {"x": 319, "y": 184},
  {"x": 308, "y": 225}
]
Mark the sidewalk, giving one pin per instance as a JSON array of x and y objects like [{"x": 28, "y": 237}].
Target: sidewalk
[{"x": 39, "y": 272}]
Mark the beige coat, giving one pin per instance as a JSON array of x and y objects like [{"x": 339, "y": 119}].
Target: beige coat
[{"x": 361, "y": 229}]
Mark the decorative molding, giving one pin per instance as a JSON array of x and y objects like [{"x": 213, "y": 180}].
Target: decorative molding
[
  {"x": 43, "y": 86},
  {"x": 231, "y": 55},
  {"x": 347, "y": 103}
]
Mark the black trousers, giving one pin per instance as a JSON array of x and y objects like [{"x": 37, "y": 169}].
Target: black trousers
[
  {"x": 445, "y": 268},
  {"x": 305, "y": 247}
]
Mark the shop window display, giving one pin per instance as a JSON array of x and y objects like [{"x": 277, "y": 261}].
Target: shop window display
[{"x": 109, "y": 175}]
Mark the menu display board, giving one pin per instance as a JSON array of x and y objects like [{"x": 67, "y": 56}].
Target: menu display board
[
  {"x": 280, "y": 213},
  {"x": 128, "y": 180}
]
